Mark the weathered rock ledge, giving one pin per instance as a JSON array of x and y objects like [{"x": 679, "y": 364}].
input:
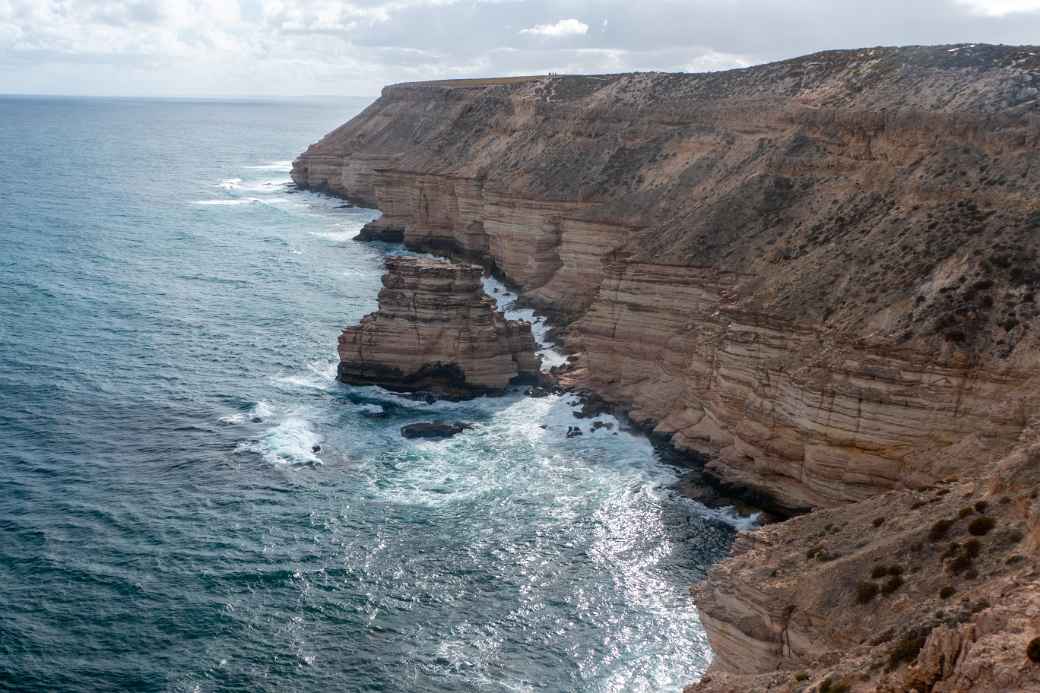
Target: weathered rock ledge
[{"x": 436, "y": 332}]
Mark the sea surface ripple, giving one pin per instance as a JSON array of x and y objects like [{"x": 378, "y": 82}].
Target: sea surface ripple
[{"x": 169, "y": 307}]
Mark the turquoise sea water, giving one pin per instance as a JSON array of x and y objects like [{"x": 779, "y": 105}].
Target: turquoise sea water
[{"x": 169, "y": 308}]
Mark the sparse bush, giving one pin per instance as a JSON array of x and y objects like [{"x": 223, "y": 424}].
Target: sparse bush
[
  {"x": 865, "y": 592},
  {"x": 908, "y": 647},
  {"x": 952, "y": 550},
  {"x": 939, "y": 530},
  {"x": 971, "y": 574},
  {"x": 879, "y": 572},
  {"x": 1013, "y": 535},
  {"x": 1033, "y": 650},
  {"x": 878, "y": 521},
  {"x": 965, "y": 511},
  {"x": 960, "y": 564},
  {"x": 801, "y": 676},
  {"x": 972, "y": 547},
  {"x": 835, "y": 686},
  {"x": 946, "y": 592},
  {"x": 892, "y": 584},
  {"x": 981, "y": 507},
  {"x": 981, "y": 526},
  {"x": 895, "y": 569}
]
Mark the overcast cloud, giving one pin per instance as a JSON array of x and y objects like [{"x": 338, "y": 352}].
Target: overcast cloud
[{"x": 305, "y": 47}]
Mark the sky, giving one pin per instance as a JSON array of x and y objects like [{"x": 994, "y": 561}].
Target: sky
[{"x": 284, "y": 48}]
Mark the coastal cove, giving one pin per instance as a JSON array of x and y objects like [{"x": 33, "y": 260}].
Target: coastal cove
[{"x": 191, "y": 501}]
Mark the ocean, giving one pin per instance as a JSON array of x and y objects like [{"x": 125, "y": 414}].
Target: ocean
[{"x": 169, "y": 308}]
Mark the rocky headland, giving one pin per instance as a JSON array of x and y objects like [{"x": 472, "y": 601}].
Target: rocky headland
[
  {"x": 436, "y": 332},
  {"x": 816, "y": 276}
]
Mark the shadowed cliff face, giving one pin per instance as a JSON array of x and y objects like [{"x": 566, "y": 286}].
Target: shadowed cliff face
[{"x": 820, "y": 275}]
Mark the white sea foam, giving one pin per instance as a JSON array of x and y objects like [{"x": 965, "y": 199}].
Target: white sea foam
[
  {"x": 273, "y": 166},
  {"x": 505, "y": 299},
  {"x": 371, "y": 409},
  {"x": 260, "y": 412},
  {"x": 225, "y": 202},
  {"x": 319, "y": 375},
  {"x": 292, "y": 441},
  {"x": 256, "y": 186}
]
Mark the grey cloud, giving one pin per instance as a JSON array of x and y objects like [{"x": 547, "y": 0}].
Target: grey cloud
[{"x": 355, "y": 46}]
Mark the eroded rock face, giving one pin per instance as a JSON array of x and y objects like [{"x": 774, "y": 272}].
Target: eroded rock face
[
  {"x": 436, "y": 331},
  {"x": 954, "y": 601},
  {"x": 814, "y": 273},
  {"x": 820, "y": 275}
]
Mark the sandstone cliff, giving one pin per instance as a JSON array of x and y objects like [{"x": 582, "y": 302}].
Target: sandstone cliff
[
  {"x": 814, "y": 273},
  {"x": 817, "y": 275},
  {"x": 436, "y": 331}
]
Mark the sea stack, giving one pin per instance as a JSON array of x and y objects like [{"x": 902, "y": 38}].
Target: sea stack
[{"x": 436, "y": 331}]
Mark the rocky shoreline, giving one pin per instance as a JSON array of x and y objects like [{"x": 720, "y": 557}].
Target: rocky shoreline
[{"x": 816, "y": 276}]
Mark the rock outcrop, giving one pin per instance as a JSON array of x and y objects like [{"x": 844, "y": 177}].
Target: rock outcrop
[
  {"x": 814, "y": 273},
  {"x": 928, "y": 590},
  {"x": 819, "y": 276},
  {"x": 436, "y": 332}
]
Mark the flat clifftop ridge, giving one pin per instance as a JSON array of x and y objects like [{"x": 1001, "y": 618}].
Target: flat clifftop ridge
[{"x": 877, "y": 62}]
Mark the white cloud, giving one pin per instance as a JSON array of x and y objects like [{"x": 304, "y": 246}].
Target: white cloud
[
  {"x": 564, "y": 27},
  {"x": 289, "y": 47},
  {"x": 999, "y": 8}
]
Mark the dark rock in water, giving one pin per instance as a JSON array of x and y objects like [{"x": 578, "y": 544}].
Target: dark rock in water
[
  {"x": 315, "y": 448},
  {"x": 573, "y": 431},
  {"x": 434, "y": 429},
  {"x": 591, "y": 406},
  {"x": 538, "y": 391},
  {"x": 345, "y": 206},
  {"x": 596, "y": 425},
  {"x": 375, "y": 231}
]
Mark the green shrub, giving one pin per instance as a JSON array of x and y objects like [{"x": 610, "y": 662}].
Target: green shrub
[
  {"x": 981, "y": 526},
  {"x": 865, "y": 592},
  {"x": 946, "y": 592},
  {"x": 908, "y": 647},
  {"x": 1033, "y": 650},
  {"x": 939, "y": 530},
  {"x": 892, "y": 584},
  {"x": 835, "y": 686},
  {"x": 972, "y": 547},
  {"x": 960, "y": 564},
  {"x": 965, "y": 512},
  {"x": 801, "y": 676}
]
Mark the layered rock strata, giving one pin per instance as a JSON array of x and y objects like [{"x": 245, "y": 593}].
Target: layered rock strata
[
  {"x": 813, "y": 274},
  {"x": 437, "y": 332},
  {"x": 819, "y": 276}
]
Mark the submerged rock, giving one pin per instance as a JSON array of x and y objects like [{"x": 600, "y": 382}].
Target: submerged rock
[
  {"x": 434, "y": 429},
  {"x": 436, "y": 331}
]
